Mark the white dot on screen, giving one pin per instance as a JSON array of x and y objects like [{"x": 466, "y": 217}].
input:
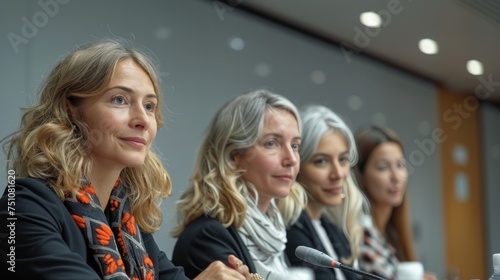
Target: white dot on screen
[
  {"x": 354, "y": 102},
  {"x": 163, "y": 33},
  {"x": 236, "y": 43},
  {"x": 263, "y": 70},
  {"x": 318, "y": 77}
]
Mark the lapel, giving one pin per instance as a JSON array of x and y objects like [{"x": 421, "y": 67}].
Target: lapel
[
  {"x": 305, "y": 224},
  {"x": 247, "y": 259},
  {"x": 337, "y": 237}
]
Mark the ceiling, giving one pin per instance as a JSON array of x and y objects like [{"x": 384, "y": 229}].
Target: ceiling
[{"x": 463, "y": 29}]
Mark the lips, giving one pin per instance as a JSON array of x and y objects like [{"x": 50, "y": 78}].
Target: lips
[
  {"x": 334, "y": 190},
  {"x": 285, "y": 177},
  {"x": 135, "y": 140},
  {"x": 395, "y": 190}
]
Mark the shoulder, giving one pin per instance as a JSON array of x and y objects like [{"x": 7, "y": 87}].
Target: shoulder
[
  {"x": 300, "y": 233},
  {"x": 302, "y": 224},
  {"x": 204, "y": 235},
  {"x": 204, "y": 223},
  {"x": 29, "y": 193},
  {"x": 203, "y": 227},
  {"x": 27, "y": 187}
]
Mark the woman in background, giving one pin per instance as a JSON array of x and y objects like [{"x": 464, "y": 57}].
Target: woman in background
[
  {"x": 382, "y": 175},
  {"x": 249, "y": 157},
  {"x": 330, "y": 222}
]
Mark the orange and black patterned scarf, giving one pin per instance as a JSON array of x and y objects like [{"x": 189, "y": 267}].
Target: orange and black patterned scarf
[{"x": 114, "y": 236}]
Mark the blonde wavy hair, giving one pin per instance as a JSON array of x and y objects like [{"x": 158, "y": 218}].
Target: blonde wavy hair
[
  {"x": 217, "y": 188},
  {"x": 54, "y": 146},
  {"x": 317, "y": 121}
]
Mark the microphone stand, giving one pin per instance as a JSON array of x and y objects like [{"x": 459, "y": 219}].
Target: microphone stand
[{"x": 359, "y": 272}]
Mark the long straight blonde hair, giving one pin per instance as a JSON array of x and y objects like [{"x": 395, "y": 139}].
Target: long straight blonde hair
[{"x": 317, "y": 121}]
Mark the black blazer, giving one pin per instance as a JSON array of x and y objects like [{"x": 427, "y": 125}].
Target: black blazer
[
  {"x": 45, "y": 243},
  {"x": 205, "y": 240},
  {"x": 303, "y": 233}
]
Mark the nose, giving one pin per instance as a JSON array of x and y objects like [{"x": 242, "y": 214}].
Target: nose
[
  {"x": 397, "y": 175},
  {"x": 291, "y": 157},
  {"x": 139, "y": 117},
  {"x": 336, "y": 171}
]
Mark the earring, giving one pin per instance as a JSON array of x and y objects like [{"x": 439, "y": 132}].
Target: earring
[{"x": 342, "y": 195}]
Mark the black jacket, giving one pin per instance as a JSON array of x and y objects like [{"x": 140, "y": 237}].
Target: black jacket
[
  {"x": 44, "y": 242},
  {"x": 205, "y": 240},
  {"x": 303, "y": 233}
]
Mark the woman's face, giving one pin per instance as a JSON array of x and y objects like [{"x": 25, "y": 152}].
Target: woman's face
[
  {"x": 272, "y": 164},
  {"x": 122, "y": 121},
  {"x": 385, "y": 175},
  {"x": 324, "y": 175}
]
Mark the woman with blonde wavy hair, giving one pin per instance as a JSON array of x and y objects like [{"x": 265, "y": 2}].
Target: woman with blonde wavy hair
[
  {"x": 249, "y": 157},
  {"x": 88, "y": 185},
  {"x": 330, "y": 222}
]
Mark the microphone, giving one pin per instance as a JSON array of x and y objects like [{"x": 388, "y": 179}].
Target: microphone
[{"x": 318, "y": 258}]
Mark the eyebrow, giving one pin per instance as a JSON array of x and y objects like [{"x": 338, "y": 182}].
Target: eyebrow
[
  {"x": 328, "y": 155},
  {"x": 280, "y": 136},
  {"x": 129, "y": 90}
]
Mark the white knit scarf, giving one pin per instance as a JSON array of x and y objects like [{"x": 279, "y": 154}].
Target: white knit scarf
[{"x": 264, "y": 234}]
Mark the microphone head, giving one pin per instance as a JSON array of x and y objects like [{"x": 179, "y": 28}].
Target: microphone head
[{"x": 315, "y": 257}]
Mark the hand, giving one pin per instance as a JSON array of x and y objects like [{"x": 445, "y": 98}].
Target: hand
[
  {"x": 219, "y": 271},
  {"x": 429, "y": 276},
  {"x": 237, "y": 264}
]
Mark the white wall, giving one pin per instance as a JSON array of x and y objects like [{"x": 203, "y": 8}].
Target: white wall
[{"x": 190, "y": 39}]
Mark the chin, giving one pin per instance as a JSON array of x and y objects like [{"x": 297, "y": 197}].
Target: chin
[
  {"x": 134, "y": 163},
  {"x": 334, "y": 203},
  {"x": 282, "y": 195},
  {"x": 397, "y": 203}
]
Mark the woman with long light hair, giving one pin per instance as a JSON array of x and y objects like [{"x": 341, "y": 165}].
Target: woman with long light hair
[{"x": 330, "y": 221}]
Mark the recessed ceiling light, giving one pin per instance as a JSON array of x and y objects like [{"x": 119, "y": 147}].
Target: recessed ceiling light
[
  {"x": 428, "y": 46},
  {"x": 475, "y": 67},
  {"x": 370, "y": 19},
  {"x": 236, "y": 43}
]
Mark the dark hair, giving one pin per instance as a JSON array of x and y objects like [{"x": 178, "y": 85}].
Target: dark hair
[
  {"x": 397, "y": 230},
  {"x": 369, "y": 138}
]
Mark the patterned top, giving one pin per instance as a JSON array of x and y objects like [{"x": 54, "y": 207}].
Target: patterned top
[{"x": 377, "y": 254}]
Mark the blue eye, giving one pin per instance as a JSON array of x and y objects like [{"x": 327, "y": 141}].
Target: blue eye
[
  {"x": 118, "y": 99},
  {"x": 270, "y": 144},
  {"x": 295, "y": 147}
]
